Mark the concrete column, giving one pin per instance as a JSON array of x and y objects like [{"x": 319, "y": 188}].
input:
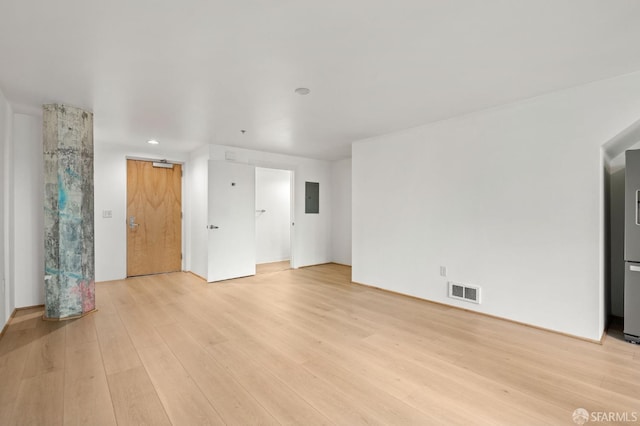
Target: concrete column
[{"x": 68, "y": 212}]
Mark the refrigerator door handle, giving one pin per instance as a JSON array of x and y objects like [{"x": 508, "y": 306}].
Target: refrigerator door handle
[
  {"x": 634, "y": 268},
  {"x": 637, "y": 207}
]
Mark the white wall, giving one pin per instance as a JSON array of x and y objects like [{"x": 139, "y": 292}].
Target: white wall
[
  {"x": 312, "y": 232},
  {"x": 5, "y": 140},
  {"x": 273, "y": 226},
  {"x": 341, "y": 218},
  {"x": 28, "y": 210},
  {"x": 509, "y": 199},
  {"x": 197, "y": 235},
  {"x": 110, "y": 186},
  {"x": 8, "y": 228}
]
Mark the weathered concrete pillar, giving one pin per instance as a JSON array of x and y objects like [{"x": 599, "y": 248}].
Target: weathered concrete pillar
[{"x": 68, "y": 212}]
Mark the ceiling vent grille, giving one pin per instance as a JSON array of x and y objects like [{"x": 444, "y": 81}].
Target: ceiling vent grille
[{"x": 468, "y": 293}]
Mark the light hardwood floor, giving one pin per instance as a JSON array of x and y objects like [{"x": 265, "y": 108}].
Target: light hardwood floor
[
  {"x": 267, "y": 268},
  {"x": 299, "y": 347}
]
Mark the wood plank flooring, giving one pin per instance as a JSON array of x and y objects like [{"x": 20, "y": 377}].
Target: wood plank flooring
[
  {"x": 267, "y": 268},
  {"x": 301, "y": 347}
]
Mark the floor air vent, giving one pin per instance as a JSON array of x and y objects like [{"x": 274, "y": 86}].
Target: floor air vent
[{"x": 469, "y": 293}]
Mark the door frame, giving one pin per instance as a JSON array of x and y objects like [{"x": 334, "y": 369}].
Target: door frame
[
  {"x": 292, "y": 205},
  {"x": 183, "y": 205},
  {"x": 292, "y": 235}
]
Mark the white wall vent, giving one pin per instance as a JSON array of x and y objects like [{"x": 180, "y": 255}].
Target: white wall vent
[{"x": 468, "y": 293}]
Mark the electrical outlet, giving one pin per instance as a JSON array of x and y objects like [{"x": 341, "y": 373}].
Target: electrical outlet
[
  {"x": 443, "y": 271},
  {"x": 107, "y": 214}
]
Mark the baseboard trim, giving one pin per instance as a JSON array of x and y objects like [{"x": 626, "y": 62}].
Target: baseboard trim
[
  {"x": 327, "y": 263},
  {"x": 315, "y": 264},
  {"x": 6, "y": 326},
  {"x": 196, "y": 275},
  {"x": 45, "y": 318},
  {"x": 340, "y": 264},
  {"x": 573, "y": 336},
  {"x": 24, "y": 308},
  {"x": 13, "y": 314}
]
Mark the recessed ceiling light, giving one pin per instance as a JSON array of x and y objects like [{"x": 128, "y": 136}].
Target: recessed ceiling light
[
  {"x": 153, "y": 142},
  {"x": 302, "y": 91}
]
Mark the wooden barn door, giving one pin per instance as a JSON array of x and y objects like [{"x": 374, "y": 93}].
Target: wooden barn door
[{"x": 154, "y": 218}]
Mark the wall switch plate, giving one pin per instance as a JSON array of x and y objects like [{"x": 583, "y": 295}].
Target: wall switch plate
[
  {"x": 443, "y": 271},
  {"x": 107, "y": 214}
]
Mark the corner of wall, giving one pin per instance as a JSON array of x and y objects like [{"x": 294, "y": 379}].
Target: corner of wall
[
  {"x": 6, "y": 283},
  {"x": 604, "y": 307},
  {"x": 341, "y": 211},
  {"x": 28, "y": 210}
]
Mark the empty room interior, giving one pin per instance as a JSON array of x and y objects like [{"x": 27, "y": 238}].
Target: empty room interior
[{"x": 277, "y": 212}]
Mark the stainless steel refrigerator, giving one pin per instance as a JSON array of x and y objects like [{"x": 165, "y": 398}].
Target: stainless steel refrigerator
[{"x": 632, "y": 247}]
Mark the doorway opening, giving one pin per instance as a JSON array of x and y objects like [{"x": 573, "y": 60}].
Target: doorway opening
[
  {"x": 273, "y": 219},
  {"x": 154, "y": 217}
]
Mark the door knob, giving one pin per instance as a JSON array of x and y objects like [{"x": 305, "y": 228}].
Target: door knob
[{"x": 212, "y": 227}]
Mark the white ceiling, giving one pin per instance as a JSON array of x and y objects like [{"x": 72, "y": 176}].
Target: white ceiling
[{"x": 192, "y": 72}]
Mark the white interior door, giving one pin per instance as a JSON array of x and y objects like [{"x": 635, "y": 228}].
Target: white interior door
[{"x": 231, "y": 226}]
